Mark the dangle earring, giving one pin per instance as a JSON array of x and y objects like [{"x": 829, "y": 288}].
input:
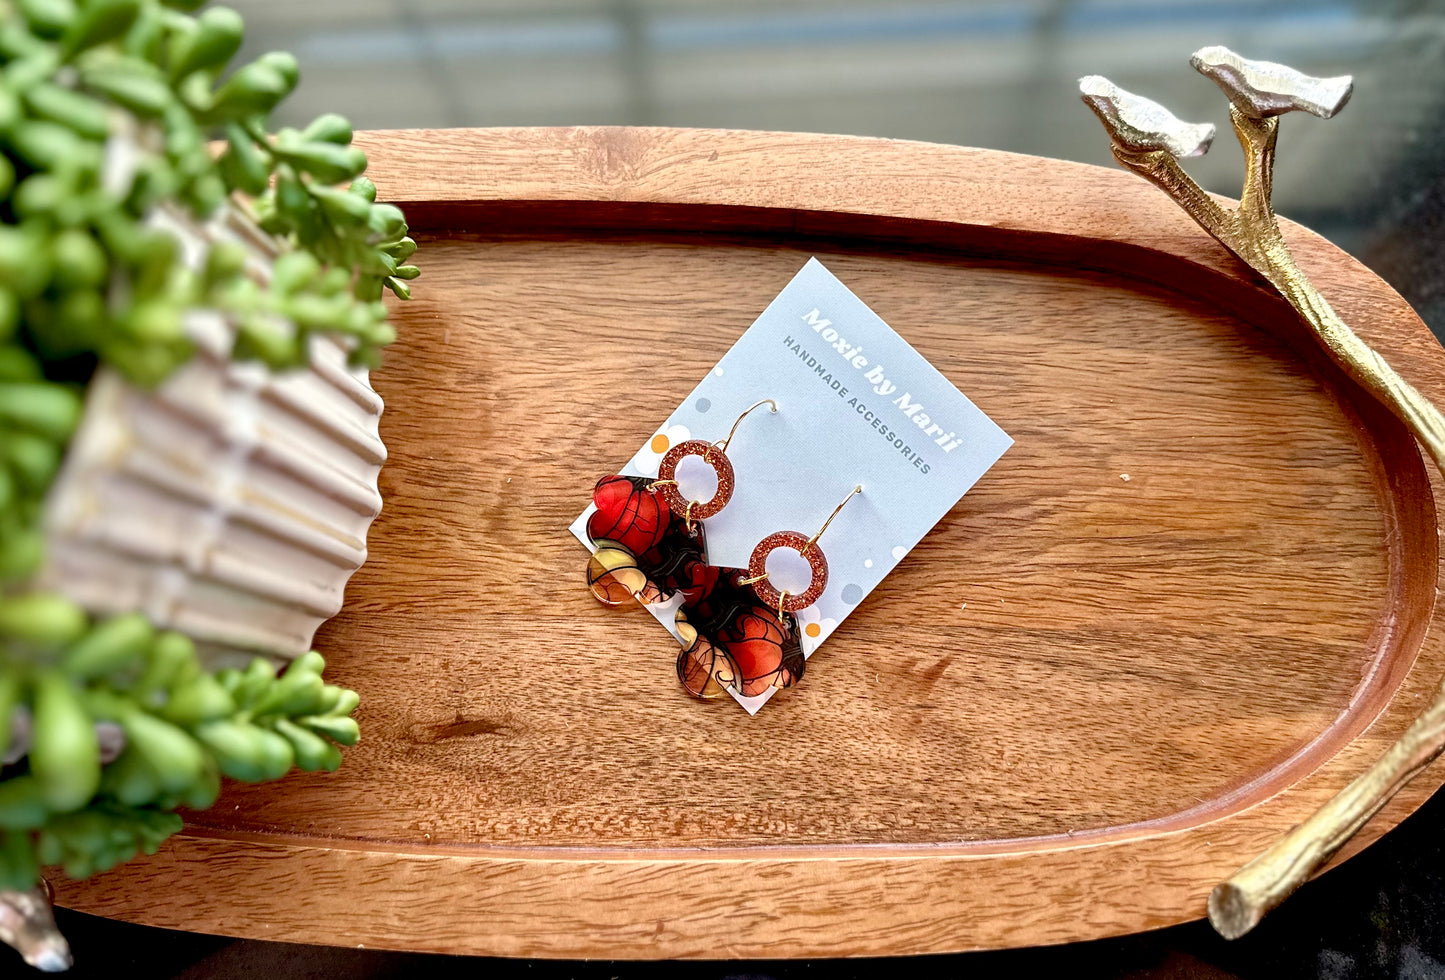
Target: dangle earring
[
  {"x": 805, "y": 546},
  {"x": 714, "y": 454}
]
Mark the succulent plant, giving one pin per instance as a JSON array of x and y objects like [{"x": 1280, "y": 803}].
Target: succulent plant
[
  {"x": 119, "y": 119},
  {"x": 122, "y": 725}
]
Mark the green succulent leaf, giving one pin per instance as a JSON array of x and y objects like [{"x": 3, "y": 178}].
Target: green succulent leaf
[
  {"x": 329, "y": 128},
  {"x": 131, "y": 83},
  {"x": 327, "y": 162},
  {"x": 48, "y": 18},
  {"x": 217, "y": 36},
  {"x": 80, "y": 113},
  {"x": 254, "y": 89},
  {"x": 99, "y": 21}
]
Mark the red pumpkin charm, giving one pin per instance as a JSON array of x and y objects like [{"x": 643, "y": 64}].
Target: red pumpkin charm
[
  {"x": 764, "y": 648},
  {"x": 628, "y": 513}
]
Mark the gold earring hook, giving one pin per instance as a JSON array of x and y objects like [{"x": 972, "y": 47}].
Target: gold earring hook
[
  {"x": 811, "y": 541},
  {"x": 723, "y": 443}
]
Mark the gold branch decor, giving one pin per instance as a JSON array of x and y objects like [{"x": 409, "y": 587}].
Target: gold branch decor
[{"x": 1150, "y": 141}]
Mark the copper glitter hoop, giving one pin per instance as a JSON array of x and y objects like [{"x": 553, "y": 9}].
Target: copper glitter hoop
[
  {"x": 667, "y": 480},
  {"x": 713, "y": 454},
  {"x": 808, "y": 548},
  {"x": 758, "y": 571}
]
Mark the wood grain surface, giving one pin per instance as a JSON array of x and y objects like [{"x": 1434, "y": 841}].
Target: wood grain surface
[{"x": 1187, "y": 606}]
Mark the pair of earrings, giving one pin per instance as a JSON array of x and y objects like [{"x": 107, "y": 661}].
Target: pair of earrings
[{"x": 714, "y": 454}]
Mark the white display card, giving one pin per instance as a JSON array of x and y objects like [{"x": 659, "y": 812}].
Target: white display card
[{"x": 857, "y": 405}]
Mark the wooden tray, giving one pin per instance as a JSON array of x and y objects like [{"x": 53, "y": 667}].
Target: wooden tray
[{"x": 1188, "y": 606}]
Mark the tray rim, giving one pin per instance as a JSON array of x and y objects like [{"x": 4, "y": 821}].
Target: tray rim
[{"x": 469, "y": 172}]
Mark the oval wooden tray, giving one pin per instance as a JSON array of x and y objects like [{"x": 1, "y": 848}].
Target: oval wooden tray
[{"x": 1188, "y": 606}]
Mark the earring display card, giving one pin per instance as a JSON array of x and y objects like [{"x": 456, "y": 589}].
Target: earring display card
[{"x": 856, "y": 406}]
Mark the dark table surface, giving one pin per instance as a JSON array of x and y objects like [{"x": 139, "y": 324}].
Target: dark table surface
[{"x": 982, "y": 74}]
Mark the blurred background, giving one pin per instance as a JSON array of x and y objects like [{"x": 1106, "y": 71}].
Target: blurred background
[{"x": 970, "y": 72}]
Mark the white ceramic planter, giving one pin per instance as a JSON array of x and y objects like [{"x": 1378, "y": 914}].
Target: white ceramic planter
[{"x": 229, "y": 503}]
